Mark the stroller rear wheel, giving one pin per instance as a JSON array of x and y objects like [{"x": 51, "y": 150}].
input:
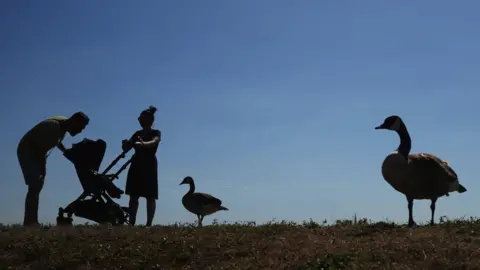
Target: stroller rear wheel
[{"x": 62, "y": 220}]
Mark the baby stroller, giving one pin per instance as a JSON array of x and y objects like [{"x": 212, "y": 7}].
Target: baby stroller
[{"x": 95, "y": 203}]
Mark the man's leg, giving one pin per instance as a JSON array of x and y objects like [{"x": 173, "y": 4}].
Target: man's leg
[
  {"x": 34, "y": 175},
  {"x": 32, "y": 201}
]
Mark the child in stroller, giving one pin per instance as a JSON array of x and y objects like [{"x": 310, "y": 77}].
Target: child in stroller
[{"x": 87, "y": 157}]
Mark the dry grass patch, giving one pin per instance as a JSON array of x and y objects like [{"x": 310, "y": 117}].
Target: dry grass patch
[{"x": 281, "y": 245}]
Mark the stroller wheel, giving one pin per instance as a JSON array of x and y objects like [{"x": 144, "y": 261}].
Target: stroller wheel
[
  {"x": 119, "y": 217},
  {"x": 126, "y": 215},
  {"x": 64, "y": 221},
  {"x": 119, "y": 220}
]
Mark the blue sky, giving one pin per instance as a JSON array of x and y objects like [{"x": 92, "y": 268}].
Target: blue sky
[{"x": 269, "y": 105}]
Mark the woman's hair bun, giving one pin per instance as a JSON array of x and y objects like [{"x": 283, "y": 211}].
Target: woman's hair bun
[{"x": 152, "y": 109}]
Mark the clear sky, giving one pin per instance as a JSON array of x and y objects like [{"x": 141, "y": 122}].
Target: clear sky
[{"x": 270, "y": 105}]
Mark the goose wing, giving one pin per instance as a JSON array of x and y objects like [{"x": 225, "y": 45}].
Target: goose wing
[
  {"x": 206, "y": 199},
  {"x": 433, "y": 166}
]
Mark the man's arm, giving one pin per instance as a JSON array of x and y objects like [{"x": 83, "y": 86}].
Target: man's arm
[{"x": 61, "y": 147}]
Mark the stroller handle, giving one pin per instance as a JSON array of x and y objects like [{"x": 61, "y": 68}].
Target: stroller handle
[
  {"x": 115, "y": 161},
  {"x": 124, "y": 166}
]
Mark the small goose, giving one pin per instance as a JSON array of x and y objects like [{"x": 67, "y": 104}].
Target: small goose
[
  {"x": 418, "y": 176},
  {"x": 198, "y": 203}
]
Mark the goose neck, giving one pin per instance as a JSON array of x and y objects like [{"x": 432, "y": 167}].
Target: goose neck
[
  {"x": 192, "y": 188},
  {"x": 405, "y": 142}
]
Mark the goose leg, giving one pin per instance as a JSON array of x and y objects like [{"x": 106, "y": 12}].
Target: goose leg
[
  {"x": 432, "y": 207},
  {"x": 199, "y": 221},
  {"x": 411, "y": 223}
]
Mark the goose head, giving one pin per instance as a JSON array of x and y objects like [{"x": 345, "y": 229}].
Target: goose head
[
  {"x": 187, "y": 180},
  {"x": 395, "y": 123},
  {"x": 392, "y": 122}
]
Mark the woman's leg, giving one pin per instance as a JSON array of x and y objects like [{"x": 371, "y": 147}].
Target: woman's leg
[
  {"x": 151, "y": 205},
  {"x": 133, "y": 207}
]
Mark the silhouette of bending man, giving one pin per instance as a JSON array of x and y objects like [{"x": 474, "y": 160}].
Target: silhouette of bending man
[{"x": 33, "y": 150}]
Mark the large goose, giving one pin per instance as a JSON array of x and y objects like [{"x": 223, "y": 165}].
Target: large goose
[
  {"x": 201, "y": 204},
  {"x": 418, "y": 176}
]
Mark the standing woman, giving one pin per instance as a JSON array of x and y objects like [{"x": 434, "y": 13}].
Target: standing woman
[{"x": 142, "y": 178}]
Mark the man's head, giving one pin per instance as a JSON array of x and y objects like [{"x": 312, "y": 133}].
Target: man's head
[{"x": 77, "y": 123}]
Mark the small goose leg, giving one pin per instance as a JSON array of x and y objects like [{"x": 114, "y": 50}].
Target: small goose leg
[
  {"x": 432, "y": 207},
  {"x": 411, "y": 223}
]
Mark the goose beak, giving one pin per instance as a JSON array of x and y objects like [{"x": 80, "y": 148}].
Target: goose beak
[
  {"x": 461, "y": 189},
  {"x": 379, "y": 127}
]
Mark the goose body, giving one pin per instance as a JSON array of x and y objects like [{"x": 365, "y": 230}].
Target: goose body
[
  {"x": 418, "y": 176},
  {"x": 422, "y": 176},
  {"x": 201, "y": 204}
]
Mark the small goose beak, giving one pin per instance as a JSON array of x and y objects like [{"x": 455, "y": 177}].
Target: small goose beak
[{"x": 379, "y": 127}]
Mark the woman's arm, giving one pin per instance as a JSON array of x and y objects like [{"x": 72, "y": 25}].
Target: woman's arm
[
  {"x": 149, "y": 144},
  {"x": 152, "y": 143},
  {"x": 128, "y": 144}
]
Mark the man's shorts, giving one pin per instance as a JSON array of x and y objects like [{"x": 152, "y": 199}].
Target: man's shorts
[{"x": 33, "y": 168}]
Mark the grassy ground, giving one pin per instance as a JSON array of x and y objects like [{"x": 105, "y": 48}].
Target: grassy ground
[{"x": 283, "y": 245}]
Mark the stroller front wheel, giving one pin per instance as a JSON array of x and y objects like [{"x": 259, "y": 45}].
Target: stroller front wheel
[{"x": 118, "y": 217}]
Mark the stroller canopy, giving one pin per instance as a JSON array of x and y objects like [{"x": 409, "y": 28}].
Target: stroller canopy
[{"x": 87, "y": 156}]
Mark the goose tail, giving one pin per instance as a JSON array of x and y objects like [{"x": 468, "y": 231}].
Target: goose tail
[{"x": 461, "y": 189}]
